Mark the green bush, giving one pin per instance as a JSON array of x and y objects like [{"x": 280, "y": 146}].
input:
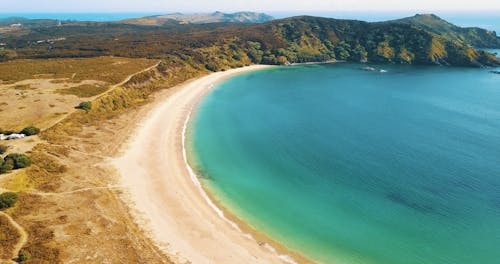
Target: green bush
[
  {"x": 19, "y": 161},
  {"x": 30, "y": 131},
  {"x": 23, "y": 256},
  {"x": 85, "y": 106},
  {"x": 8, "y": 200},
  {"x": 6, "y": 166}
]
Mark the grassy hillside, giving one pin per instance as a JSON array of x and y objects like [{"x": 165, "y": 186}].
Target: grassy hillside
[{"x": 418, "y": 40}]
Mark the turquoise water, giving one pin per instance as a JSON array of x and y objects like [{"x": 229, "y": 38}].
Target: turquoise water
[{"x": 359, "y": 167}]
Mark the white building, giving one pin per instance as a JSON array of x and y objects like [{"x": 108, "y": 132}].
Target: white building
[{"x": 15, "y": 136}]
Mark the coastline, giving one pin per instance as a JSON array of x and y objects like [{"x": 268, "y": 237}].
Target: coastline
[{"x": 168, "y": 200}]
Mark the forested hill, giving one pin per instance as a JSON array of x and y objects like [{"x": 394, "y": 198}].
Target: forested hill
[
  {"x": 474, "y": 36},
  {"x": 422, "y": 39}
]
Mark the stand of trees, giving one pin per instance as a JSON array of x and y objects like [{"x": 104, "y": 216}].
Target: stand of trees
[{"x": 423, "y": 39}]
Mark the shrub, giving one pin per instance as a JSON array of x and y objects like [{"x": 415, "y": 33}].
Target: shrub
[
  {"x": 30, "y": 131},
  {"x": 85, "y": 106},
  {"x": 6, "y": 167},
  {"x": 7, "y": 200},
  {"x": 23, "y": 256},
  {"x": 6, "y": 132},
  {"x": 19, "y": 161},
  {"x": 3, "y": 149}
]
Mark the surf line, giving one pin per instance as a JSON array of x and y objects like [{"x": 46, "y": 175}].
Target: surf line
[{"x": 220, "y": 213}]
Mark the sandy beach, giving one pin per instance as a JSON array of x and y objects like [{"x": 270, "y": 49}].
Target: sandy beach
[{"x": 169, "y": 202}]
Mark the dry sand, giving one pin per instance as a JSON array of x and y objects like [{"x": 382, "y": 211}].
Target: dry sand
[{"x": 169, "y": 203}]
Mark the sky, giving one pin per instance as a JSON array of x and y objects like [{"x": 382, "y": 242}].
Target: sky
[{"x": 166, "y": 6}]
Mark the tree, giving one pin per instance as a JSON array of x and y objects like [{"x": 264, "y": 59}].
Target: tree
[
  {"x": 23, "y": 256},
  {"x": 360, "y": 54},
  {"x": 342, "y": 51},
  {"x": 30, "y": 131},
  {"x": 7, "y": 200},
  {"x": 6, "y": 166},
  {"x": 19, "y": 161},
  {"x": 85, "y": 106}
]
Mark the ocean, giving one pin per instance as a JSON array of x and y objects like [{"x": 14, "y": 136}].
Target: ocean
[{"x": 351, "y": 166}]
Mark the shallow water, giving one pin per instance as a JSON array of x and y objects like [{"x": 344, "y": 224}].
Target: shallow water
[{"x": 357, "y": 166}]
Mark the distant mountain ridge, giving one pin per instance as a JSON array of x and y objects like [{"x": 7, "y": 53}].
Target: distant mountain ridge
[{"x": 202, "y": 18}]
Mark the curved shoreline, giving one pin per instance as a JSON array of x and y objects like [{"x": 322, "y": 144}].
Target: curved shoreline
[
  {"x": 215, "y": 207},
  {"x": 169, "y": 200}
]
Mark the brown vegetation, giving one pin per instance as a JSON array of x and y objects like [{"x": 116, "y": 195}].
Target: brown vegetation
[
  {"x": 106, "y": 69},
  {"x": 84, "y": 90},
  {"x": 9, "y": 236},
  {"x": 68, "y": 180},
  {"x": 40, "y": 100}
]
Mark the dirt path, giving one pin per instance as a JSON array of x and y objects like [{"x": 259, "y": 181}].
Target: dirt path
[
  {"x": 22, "y": 239},
  {"x": 23, "y": 234},
  {"x": 112, "y": 88},
  {"x": 113, "y": 187}
]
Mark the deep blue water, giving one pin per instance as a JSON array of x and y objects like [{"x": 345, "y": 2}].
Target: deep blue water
[{"x": 360, "y": 167}]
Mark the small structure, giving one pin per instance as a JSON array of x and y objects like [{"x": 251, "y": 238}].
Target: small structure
[
  {"x": 16, "y": 25},
  {"x": 371, "y": 69},
  {"x": 15, "y": 136}
]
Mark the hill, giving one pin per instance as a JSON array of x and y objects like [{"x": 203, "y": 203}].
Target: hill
[
  {"x": 201, "y": 18},
  {"x": 473, "y": 36},
  {"x": 423, "y": 39}
]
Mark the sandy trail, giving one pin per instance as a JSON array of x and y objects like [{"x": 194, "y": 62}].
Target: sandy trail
[
  {"x": 167, "y": 201},
  {"x": 23, "y": 239}
]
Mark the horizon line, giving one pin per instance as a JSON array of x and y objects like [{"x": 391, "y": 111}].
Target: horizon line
[{"x": 257, "y": 11}]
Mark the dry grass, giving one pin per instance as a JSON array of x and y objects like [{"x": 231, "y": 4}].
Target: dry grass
[
  {"x": 42, "y": 89},
  {"x": 40, "y": 239},
  {"x": 69, "y": 219},
  {"x": 8, "y": 238},
  {"x": 23, "y": 87},
  {"x": 84, "y": 90},
  {"x": 106, "y": 69},
  {"x": 18, "y": 181}
]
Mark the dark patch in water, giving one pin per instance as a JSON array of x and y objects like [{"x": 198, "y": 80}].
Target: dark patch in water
[
  {"x": 434, "y": 191},
  {"x": 400, "y": 199},
  {"x": 201, "y": 174},
  {"x": 496, "y": 203}
]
